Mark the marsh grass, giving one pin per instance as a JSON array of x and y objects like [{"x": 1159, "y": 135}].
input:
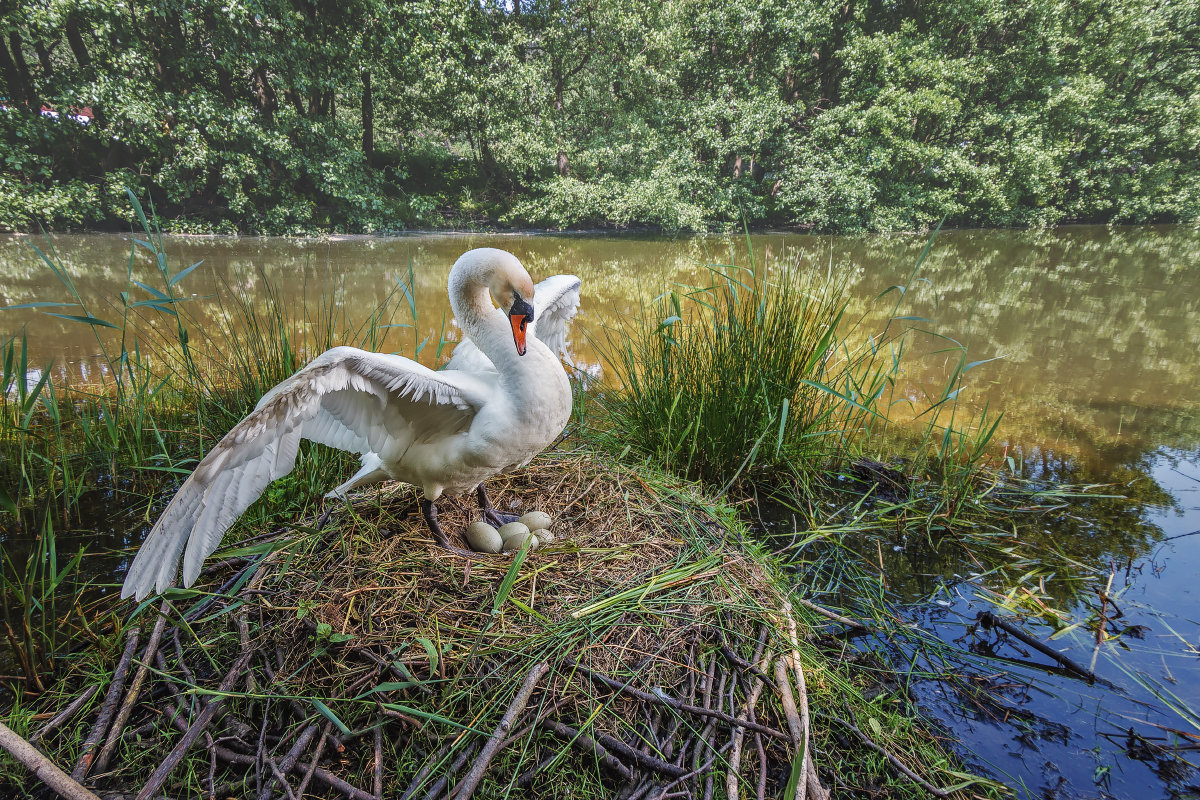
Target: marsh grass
[
  {"x": 743, "y": 380},
  {"x": 369, "y": 624},
  {"x": 163, "y": 395},
  {"x": 762, "y": 379}
]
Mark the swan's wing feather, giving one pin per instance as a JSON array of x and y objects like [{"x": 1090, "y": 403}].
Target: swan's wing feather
[
  {"x": 555, "y": 302},
  {"x": 346, "y": 398}
]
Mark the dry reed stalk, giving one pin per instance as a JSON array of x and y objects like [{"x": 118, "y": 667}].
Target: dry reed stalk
[
  {"x": 88, "y": 751},
  {"x": 42, "y": 768}
]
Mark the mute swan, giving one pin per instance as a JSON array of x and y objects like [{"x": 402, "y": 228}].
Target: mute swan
[{"x": 445, "y": 432}]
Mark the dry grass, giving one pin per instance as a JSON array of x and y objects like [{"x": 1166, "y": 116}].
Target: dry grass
[{"x": 368, "y": 624}]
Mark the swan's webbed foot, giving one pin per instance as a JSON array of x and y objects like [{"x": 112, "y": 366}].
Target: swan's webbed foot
[
  {"x": 430, "y": 513},
  {"x": 490, "y": 513}
]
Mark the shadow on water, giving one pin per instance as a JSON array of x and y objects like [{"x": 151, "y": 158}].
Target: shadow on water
[
  {"x": 1098, "y": 366},
  {"x": 1016, "y": 714}
]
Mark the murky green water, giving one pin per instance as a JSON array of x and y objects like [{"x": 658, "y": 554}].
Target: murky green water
[{"x": 1096, "y": 333}]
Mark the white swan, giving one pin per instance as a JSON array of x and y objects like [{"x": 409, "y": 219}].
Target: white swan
[{"x": 505, "y": 400}]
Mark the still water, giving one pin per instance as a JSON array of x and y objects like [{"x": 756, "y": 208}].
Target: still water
[{"x": 1095, "y": 336}]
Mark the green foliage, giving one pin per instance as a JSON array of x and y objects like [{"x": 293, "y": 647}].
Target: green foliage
[
  {"x": 146, "y": 422},
  {"x": 752, "y": 380},
  {"x": 371, "y": 116}
]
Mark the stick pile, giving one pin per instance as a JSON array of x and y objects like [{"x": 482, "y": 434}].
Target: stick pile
[{"x": 642, "y": 656}]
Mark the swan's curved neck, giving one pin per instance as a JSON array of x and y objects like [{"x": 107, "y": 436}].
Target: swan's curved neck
[{"x": 484, "y": 324}]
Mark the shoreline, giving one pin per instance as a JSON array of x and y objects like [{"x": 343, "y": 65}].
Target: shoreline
[{"x": 653, "y": 586}]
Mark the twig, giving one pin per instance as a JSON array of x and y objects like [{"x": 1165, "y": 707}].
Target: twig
[
  {"x": 895, "y": 762},
  {"x": 677, "y": 705},
  {"x": 379, "y": 761},
  {"x": 794, "y": 726},
  {"x": 282, "y": 778},
  {"x": 810, "y": 767},
  {"x": 735, "y": 754},
  {"x": 583, "y": 742},
  {"x": 698, "y": 771},
  {"x": 173, "y": 758},
  {"x": 825, "y": 612},
  {"x": 440, "y": 784},
  {"x": 988, "y": 619},
  {"x": 42, "y": 768},
  {"x": 135, "y": 688},
  {"x": 465, "y": 789},
  {"x": 742, "y": 663},
  {"x": 312, "y": 767},
  {"x": 289, "y": 759},
  {"x": 645, "y": 760},
  {"x": 66, "y": 713},
  {"x": 88, "y": 752},
  {"x": 334, "y": 782},
  {"x": 424, "y": 771}
]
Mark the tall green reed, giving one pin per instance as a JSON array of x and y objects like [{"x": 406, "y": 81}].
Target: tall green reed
[
  {"x": 161, "y": 396},
  {"x": 745, "y": 379}
]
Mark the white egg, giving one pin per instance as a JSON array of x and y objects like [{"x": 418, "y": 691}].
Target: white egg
[
  {"x": 513, "y": 528},
  {"x": 483, "y": 538},
  {"x": 544, "y": 536},
  {"x": 536, "y": 520},
  {"x": 519, "y": 540}
]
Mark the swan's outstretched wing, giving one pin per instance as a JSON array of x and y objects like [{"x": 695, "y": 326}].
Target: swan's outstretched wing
[
  {"x": 555, "y": 301},
  {"x": 346, "y": 398}
]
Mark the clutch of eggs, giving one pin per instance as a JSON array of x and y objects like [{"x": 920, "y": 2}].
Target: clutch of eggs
[{"x": 532, "y": 531}]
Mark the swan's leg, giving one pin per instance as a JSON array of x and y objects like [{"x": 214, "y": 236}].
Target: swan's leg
[
  {"x": 429, "y": 512},
  {"x": 489, "y": 511}
]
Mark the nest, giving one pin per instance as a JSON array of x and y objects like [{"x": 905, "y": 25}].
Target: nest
[{"x": 645, "y": 653}]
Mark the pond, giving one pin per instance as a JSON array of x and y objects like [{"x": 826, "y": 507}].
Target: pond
[{"x": 1095, "y": 336}]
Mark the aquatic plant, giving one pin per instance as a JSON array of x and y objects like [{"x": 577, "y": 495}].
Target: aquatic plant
[
  {"x": 743, "y": 380},
  {"x": 161, "y": 396}
]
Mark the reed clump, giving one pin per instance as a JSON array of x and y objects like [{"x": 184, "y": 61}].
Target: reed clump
[
  {"x": 645, "y": 652},
  {"x": 745, "y": 380}
]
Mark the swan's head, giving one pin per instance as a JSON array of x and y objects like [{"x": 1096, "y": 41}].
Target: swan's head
[
  {"x": 512, "y": 289},
  {"x": 509, "y": 283}
]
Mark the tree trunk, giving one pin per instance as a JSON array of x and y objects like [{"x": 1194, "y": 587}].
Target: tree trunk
[
  {"x": 22, "y": 71},
  {"x": 368, "y": 118},
  {"x": 12, "y": 79},
  {"x": 265, "y": 95},
  {"x": 82, "y": 58},
  {"x": 75, "y": 40},
  {"x": 44, "y": 59},
  {"x": 563, "y": 167}
]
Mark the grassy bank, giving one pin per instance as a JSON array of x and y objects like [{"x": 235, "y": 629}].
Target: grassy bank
[
  {"x": 368, "y": 633},
  {"x": 739, "y": 405}
]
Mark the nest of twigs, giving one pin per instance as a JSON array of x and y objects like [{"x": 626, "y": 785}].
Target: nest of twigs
[{"x": 643, "y": 654}]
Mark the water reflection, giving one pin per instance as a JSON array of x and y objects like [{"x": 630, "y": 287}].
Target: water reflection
[
  {"x": 1096, "y": 334},
  {"x": 1094, "y": 327},
  {"x": 1133, "y": 734}
]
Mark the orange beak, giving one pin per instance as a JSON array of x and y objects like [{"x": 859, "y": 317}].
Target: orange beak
[
  {"x": 519, "y": 316},
  {"x": 519, "y": 321}
]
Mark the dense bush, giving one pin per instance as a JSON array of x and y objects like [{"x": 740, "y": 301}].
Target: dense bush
[{"x": 282, "y": 116}]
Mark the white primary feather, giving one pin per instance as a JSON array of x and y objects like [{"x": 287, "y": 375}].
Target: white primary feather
[{"x": 443, "y": 431}]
